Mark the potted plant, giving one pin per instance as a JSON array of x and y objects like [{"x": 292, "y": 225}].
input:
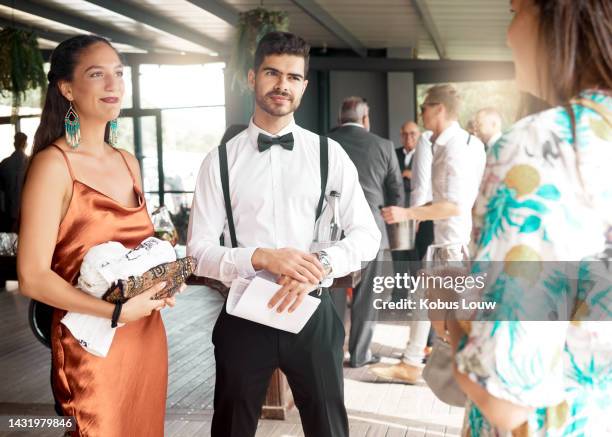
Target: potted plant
[
  {"x": 21, "y": 64},
  {"x": 252, "y": 26}
]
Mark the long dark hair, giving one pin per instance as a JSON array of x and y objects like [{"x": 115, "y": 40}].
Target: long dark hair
[
  {"x": 576, "y": 41},
  {"x": 64, "y": 59}
]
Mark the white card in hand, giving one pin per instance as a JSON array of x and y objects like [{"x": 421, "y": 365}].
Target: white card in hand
[{"x": 248, "y": 299}]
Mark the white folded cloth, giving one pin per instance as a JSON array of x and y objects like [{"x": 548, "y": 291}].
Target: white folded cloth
[{"x": 102, "y": 266}]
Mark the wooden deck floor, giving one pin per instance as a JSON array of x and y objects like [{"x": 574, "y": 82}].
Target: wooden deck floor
[{"x": 376, "y": 409}]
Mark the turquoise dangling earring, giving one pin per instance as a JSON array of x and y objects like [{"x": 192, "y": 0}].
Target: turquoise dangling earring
[
  {"x": 73, "y": 128},
  {"x": 112, "y": 133}
]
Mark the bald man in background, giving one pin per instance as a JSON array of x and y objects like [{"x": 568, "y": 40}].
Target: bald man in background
[
  {"x": 379, "y": 177},
  {"x": 488, "y": 126},
  {"x": 415, "y": 159},
  {"x": 409, "y": 134}
]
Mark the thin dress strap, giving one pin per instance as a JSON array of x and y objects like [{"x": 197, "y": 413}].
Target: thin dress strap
[
  {"x": 127, "y": 165},
  {"x": 65, "y": 159}
]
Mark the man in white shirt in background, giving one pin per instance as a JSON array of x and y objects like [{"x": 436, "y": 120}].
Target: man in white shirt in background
[
  {"x": 488, "y": 126},
  {"x": 458, "y": 161},
  {"x": 274, "y": 191},
  {"x": 457, "y": 168}
]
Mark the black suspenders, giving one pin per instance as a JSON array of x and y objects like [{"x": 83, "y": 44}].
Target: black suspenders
[{"x": 324, "y": 164}]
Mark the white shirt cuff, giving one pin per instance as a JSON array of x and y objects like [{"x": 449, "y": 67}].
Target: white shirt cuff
[
  {"x": 327, "y": 282},
  {"x": 242, "y": 260}
]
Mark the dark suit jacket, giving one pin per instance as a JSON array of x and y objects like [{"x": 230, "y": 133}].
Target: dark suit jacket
[
  {"x": 12, "y": 172},
  {"x": 401, "y": 159},
  {"x": 378, "y": 169}
]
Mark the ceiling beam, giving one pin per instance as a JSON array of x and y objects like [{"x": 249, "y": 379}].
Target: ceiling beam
[
  {"x": 218, "y": 9},
  {"x": 158, "y": 58},
  {"x": 430, "y": 27},
  {"x": 78, "y": 22},
  {"x": 425, "y": 70},
  {"x": 40, "y": 33},
  {"x": 322, "y": 17},
  {"x": 160, "y": 23}
]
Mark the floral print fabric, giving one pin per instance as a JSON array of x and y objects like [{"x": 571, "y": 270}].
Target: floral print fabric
[{"x": 547, "y": 196}]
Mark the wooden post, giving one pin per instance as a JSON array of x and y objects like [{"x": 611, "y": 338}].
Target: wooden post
[{"x": 279, "y": 399}]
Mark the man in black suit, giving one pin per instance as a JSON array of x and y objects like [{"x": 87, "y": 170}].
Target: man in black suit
[
  {"x": 410, "y": 134},
  {"x": 12, "y": 173},
  {"x": 380, "y": 179}
]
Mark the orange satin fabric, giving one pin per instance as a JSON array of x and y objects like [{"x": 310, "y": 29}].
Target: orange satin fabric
[{"x": 123, "y": 394}]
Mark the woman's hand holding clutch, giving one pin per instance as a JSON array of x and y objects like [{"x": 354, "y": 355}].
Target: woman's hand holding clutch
[{"x": 142, "y": 305}]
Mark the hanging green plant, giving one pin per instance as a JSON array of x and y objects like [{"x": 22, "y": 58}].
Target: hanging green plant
[
  {"x": 252, "y": 26},
  {"x": 21, "y": 64}
]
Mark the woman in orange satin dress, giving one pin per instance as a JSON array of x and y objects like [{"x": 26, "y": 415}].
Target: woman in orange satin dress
[{"x": 79, "y": 192}]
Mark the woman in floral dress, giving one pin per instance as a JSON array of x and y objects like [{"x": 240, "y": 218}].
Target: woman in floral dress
[{"x": 547, "y": 196}]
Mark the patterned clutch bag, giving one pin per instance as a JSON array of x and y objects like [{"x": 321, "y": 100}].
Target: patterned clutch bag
[{"x": 173, "y": 273}]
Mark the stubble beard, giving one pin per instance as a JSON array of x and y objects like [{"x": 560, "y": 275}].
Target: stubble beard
[{"x": 271, "y": 109}]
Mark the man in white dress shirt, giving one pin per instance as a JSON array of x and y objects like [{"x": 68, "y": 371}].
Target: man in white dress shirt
[
  {"x": 274, "y": 191},
  {"x": 488, "y": 126},
  {"x": 457, "y": 167}
]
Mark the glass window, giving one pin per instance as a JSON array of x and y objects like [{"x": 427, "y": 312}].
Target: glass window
[
  {"x": 188, "y": 134},
  {"x": 499, "y": 94},
  {"x": 174, "y": 201},
  {"x": 127, "y": 94},
  {"x": 28, "y": 126},
  {"x": 152, "y": 200},
  {"x": 149, "y": 152},
  {"x": 175, "y": 86},
  {"x": 7, "y": 138},
  {"x": 5, "y": 105},
  {"x": 125, "y": 134},
  {"x": 30, "y": 103}
]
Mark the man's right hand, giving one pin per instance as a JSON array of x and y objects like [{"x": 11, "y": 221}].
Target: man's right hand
[{"x": 301, "y": 266}]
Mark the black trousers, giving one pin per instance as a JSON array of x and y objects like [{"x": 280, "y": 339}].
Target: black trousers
[
  {"x": 363, "y": 313},
  {"x": 246, "y": 354}
]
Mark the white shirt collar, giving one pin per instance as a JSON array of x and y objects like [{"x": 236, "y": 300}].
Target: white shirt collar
[
  {"x": 253, "y": 131},
  {"x": 447, "y": 134},
  {"x": 353, "y": 124}
]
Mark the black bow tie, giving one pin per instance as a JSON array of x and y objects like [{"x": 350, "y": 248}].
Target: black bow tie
[{"x": 264, "y": 142}]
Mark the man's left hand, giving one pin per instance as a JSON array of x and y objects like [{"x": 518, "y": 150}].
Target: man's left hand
[
  {"x": 395, "y": 214},
  {"x": 292, "y": 294}
]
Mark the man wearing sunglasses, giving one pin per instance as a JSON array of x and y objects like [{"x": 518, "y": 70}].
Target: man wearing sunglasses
[{"x": 456, "y": 170}]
